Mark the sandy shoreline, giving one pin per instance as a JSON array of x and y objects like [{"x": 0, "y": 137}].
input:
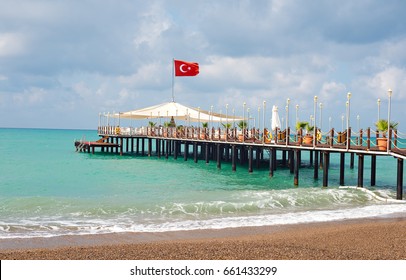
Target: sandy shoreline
[{"x": 380, "y": 238}]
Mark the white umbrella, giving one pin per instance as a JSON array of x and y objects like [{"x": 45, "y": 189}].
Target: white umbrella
[
  {"x": 177, "y": 111},
  {"x": 276, "y": 123}
]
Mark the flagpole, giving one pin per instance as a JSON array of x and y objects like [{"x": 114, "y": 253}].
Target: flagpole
[{"x": 173, "y": 79}]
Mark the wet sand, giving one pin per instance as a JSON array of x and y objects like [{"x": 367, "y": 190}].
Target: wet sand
[{"x": 367, "y": 239}]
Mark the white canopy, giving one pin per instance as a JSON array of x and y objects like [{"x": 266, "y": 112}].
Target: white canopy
[
  {"x": 178, "y": 112},
  {"x": 276, "y": 123}
]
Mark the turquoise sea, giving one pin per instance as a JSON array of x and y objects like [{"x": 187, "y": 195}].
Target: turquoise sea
[{"x": 48, "y": 189}]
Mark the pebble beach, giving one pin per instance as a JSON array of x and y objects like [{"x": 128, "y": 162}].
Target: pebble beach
[{"x": 368, "y": 239}]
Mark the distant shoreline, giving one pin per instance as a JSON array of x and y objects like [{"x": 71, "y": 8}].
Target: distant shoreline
[{"x": 373, "y": 238}]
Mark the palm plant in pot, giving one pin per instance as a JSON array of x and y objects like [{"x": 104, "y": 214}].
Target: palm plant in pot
[
  {"x": 227, "y": 126},
  {"x": 308, "y": 138},
  {"x": 151, "y": 128},
  {"x": 242, "y": 125},
  {"x": 203, "y": 132},
  {"x": 300, "y": 126},
  {"x": 383, "y": 126},
  {"x": 166, "y": 126}
]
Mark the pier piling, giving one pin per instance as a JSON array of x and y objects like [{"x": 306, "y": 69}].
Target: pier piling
[
  {"x": 399, "y": 189},
  {"x": 360, "y": 171}
]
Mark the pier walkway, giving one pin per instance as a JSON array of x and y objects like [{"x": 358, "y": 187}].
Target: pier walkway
[{"x": 250, "y": 145}]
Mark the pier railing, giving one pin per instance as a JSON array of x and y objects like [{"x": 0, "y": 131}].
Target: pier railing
[{"x": 362, "y": 140}]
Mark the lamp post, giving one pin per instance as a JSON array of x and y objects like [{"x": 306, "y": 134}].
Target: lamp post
[
  {"x": 389, "y": 107},
  {"x": 263, "y": 120},
  {"x": 221, "y": 120},
  {"x": 211, "y": 117},
  {"x": 329, "y": 123},
  {"x": 287, "y": 113},
  {"x": 233, "y": 118},
  {"x": 259, "y": 120},
  {"x": 379, "y": 108},
  {"x": 358, "y": 117},
  {"x": 348, "y": 117},
  {"x": 226, "y": 115},
  {"x": 248, "y": 118},
  {"x": 321, "y": 116},
  {"x": 243, "y": 122},
  {"x": 243, "y": 115},
  {"x": 314, "y": 130}
]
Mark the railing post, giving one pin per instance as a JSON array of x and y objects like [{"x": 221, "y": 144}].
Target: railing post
[
  {"x": 368, "y": 138},
  {"x": 360, "y": 138},
  {"x": 395, "y": 138},
  {"x": 349, "y": 138},
  {"x": 331, "y": 137},
  {"x": 389, "y": 139},
  {"x": 276, "y": 135}
]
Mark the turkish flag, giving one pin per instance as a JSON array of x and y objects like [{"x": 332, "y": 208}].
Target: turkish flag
[{"x": 183, "y": 68}]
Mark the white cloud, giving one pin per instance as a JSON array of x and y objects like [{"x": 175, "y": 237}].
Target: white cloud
[
  {"x": 31, "y": 96},
  {"x": 85, "y": 56},
  {"x": 12, "y": 44},
  {"x": 377, "y": 84}
]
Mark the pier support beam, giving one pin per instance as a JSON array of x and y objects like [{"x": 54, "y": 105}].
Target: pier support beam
[
  {"x": 274, "y": 159},
  {"x": 373, "y": 170},
  {"x": 149, "y": 147},
  {"x": 360, "y": 171},
  {"x": 284, "y": 158},
  {"x": 326, "y": 159},
  {"x": 195, "y": 152},
  {"x": 342, "y": 168},
  {"x": 137, "y": 147},
  {"x": 291, "y": 161},
  {"x": 158, "y": 147},
  {"x": 206, "y": 152},
  {"x": 352, "y": 161},
  {"x": 167, "y": 142},
  {"x": 250, "y": 159},
  {"x": 233, "y": 158},
  {"x": 142, "y": 146},
  {"x": 399, "y": 191},
  {"x": 311, "y": 158},
  {"x": 258, "y": 157},
  {"x": 175, "y": 148},
  {"x": 186, "y": 151},
  {"x": 271, "y": 162},
  {"x": 218, "y": 156},
  {"x": 296, "y": 166},
  {"x": 316, "y": 165}
]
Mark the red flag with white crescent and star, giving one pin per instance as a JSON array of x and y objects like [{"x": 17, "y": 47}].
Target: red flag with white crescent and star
[{"x": 183, "y": 68}]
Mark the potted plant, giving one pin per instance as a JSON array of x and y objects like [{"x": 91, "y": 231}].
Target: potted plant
[
  {"x": 151, "y": 128},
  {"x": 205, "y": 125},
  {"x": 227, "y": 126},
  {"x": 166, "y": 126},
  {"x": 308, "y": 138},
  {"x": 180, "y": 129},
  {"x": 242, "y": 125},
  {"x": 300, "y": 126},
  {"x": 382, "y": 126}
]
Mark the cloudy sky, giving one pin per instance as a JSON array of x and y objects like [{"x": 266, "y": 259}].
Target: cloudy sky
[{"x": 64, "y": 62}]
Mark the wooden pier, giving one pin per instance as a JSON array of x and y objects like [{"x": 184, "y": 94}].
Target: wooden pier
[{"x": 249, "y": 147}]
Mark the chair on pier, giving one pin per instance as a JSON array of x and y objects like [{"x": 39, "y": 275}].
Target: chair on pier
[{"x": 342, "y": 137}]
